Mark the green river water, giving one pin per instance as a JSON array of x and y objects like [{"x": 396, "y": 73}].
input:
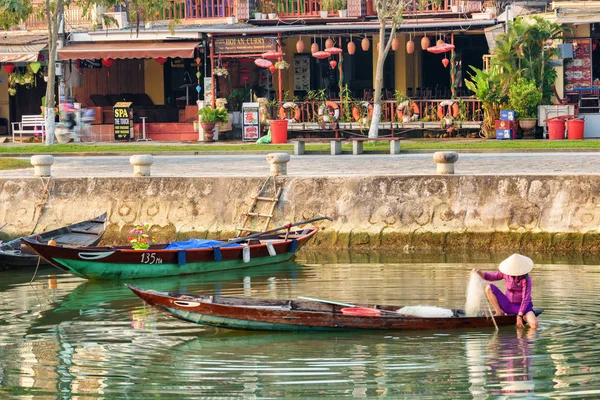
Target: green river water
[{"x": 62, "y": 337}]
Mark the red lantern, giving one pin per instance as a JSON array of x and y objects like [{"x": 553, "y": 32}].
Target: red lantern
[
  {"x": 272, "y": 69},
  {"x": 9, "y": 67},
  {"x": 441, "y": 48},
  {"x": 245, "y": 79},
  {"x": 333, "y": 64},
  {"x": 160, "y": 60},
  {"x": 334, "y": 50},
  {"x": 445, "y": 62},
  {"x": 322, "y": 55},
  {"x": 261, "y": 62},
  {"x": 108, "y": 62}
]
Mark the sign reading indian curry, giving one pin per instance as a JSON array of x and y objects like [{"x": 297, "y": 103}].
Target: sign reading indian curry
[{"x": 243, "y": 44}]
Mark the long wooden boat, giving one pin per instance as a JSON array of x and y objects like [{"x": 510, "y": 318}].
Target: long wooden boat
[
  {"x": 301, "y": 315},
  {"x": 123, "y": 262},
  {"x": 15, "y": 254}
]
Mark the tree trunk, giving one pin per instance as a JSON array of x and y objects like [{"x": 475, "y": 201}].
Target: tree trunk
[
  {"x": 54, "y": 20},
  {"x": 384, "y": 48}
]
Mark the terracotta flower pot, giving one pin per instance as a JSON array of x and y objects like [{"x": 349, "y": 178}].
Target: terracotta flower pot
[{"x": 208, "y": 129}]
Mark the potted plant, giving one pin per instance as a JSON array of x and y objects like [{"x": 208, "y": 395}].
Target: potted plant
[
  {"x": 209, "y": 118},
  {"x": 325, "y": 5},
  {"x": 220, "y": 71},
  {"x": 524, "y": 97},
  {"x": 342, "y": 8},
  {"x": 268, "y": 7},
  {"x": 282, "y": 65}
]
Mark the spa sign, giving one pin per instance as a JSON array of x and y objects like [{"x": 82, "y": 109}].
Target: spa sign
[{"x": 243, "y": 45}]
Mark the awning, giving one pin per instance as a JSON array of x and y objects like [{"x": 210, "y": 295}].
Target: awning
[
  {"x": 20, "y": 52},
  {"x": 578, "y": 19},
  {"x": 82, "y": 51}
]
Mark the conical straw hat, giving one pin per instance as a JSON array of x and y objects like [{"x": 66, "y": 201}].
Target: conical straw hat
[{"x": 516, "y": 265}]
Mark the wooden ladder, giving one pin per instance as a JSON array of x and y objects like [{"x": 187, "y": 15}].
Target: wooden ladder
[{"x": 261, "y": 209}]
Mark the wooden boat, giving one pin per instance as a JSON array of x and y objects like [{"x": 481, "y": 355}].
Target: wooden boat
[
  {"x": 301, "y": 315},
  {"x": 123, "y": 262},
  {"x": 15, "y": 254}
]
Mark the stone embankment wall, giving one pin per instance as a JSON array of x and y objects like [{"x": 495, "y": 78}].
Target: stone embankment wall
[{"x": 528, "y": 213}]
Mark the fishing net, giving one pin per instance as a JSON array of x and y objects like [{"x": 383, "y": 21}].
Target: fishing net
[
  {"x": 426, "y": 311},
  {"x": 475, "y": 295}
]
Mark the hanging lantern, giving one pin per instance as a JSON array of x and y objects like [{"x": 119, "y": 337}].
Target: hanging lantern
[
  {"x": 322, "y": 55},
  {"x": 300, "y": 46},
  {"x": 245, "y": 79},
  {"x": 445, "y": 62},
  {"x": 395, "y": 43},
  {"x": 272, "y": 68},
  {"x": 160, "y": 60},
  {"x": 333, "y": 64},
  {"x": 108, "y": 62},
  {"x": 261, "y": 62},
  {"x": 351, "y": 47},
  {"x": 410, "y": 47},
  {"x": 198, "y": 60},
  {"x": 198, "y": 74},
  {"x": 198, "y": 88},
  {"x": 35, "y": 66},
  {"x": 425, "y": 42},
  {"x": 9, "y": 67},
  {"x": 440, "y": 42},
  {"x": 365, "y": 44},
  {"x": 314, "y": 48},
  {"x": 329, "y": 43}
]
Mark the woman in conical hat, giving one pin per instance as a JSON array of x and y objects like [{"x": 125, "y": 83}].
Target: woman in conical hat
[{"x": 517, "y": 300}]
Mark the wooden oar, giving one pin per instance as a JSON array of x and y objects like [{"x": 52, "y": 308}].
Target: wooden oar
[
  {"x": 288, "y": 226},
  {"x": 345, "y": 304}
]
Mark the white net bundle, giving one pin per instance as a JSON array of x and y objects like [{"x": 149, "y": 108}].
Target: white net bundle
[{"x": 475, "y": 295}]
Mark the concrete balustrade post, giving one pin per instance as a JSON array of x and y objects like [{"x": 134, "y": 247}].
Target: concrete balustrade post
[
  {"x": 445, "y": 161},
  {"x": 278, "y": 162},
  {"x": 141, "y": 164},
  {"x": 42, "y": 164}
]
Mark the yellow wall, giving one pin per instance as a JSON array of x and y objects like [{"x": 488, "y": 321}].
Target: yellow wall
[
  {"x": 4, "y": 95},
  {"x": 153, "y": 81}
]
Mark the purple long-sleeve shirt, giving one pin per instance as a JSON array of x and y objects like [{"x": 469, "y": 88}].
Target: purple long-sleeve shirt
[{"x": 518, "y": 290}]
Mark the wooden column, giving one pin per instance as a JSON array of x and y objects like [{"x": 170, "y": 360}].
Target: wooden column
[
  {"x": 279, "y": 71},
  {"x": 452, "y": 68},
  {"x": 212, "y": 75}
]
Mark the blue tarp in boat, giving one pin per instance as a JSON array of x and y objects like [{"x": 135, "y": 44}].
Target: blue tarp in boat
[{"x": 197, "y": 244}]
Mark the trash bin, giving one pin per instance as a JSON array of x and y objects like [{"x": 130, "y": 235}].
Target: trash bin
[
  {"x": 556, "y": 128},
  {"x": 279, "y": 131},
  {"x": 575, "y": 128}
]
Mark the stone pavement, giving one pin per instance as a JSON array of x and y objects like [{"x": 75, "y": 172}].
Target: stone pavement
[{"x": 558, "y": 163}]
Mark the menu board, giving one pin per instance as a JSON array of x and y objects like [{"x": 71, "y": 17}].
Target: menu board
[
  {"x": 250, "y": 121},
  {"x": 578, "y": 70},
  {"x": 123, "y": 120}
]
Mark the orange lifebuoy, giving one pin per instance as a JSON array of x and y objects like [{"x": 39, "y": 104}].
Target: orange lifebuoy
[
  {"x": 283, "y": 113},
  {"x": 335, "y": 108},
  {"x": 449, "y": 110},
  {"x": 413, "y": 106}
]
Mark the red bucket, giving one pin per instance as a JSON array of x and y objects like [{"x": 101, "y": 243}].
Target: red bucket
[
  {"x": 575, "y": 129},
  {"x": 556, "y": 129},
  {"x": 361, "y": 311},
  {"x": 279, "y": 131}
]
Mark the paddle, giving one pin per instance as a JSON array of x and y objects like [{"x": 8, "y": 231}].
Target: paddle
[
  {"x": 288, "y": 226},
  {"x": 345, "y": 304}
]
